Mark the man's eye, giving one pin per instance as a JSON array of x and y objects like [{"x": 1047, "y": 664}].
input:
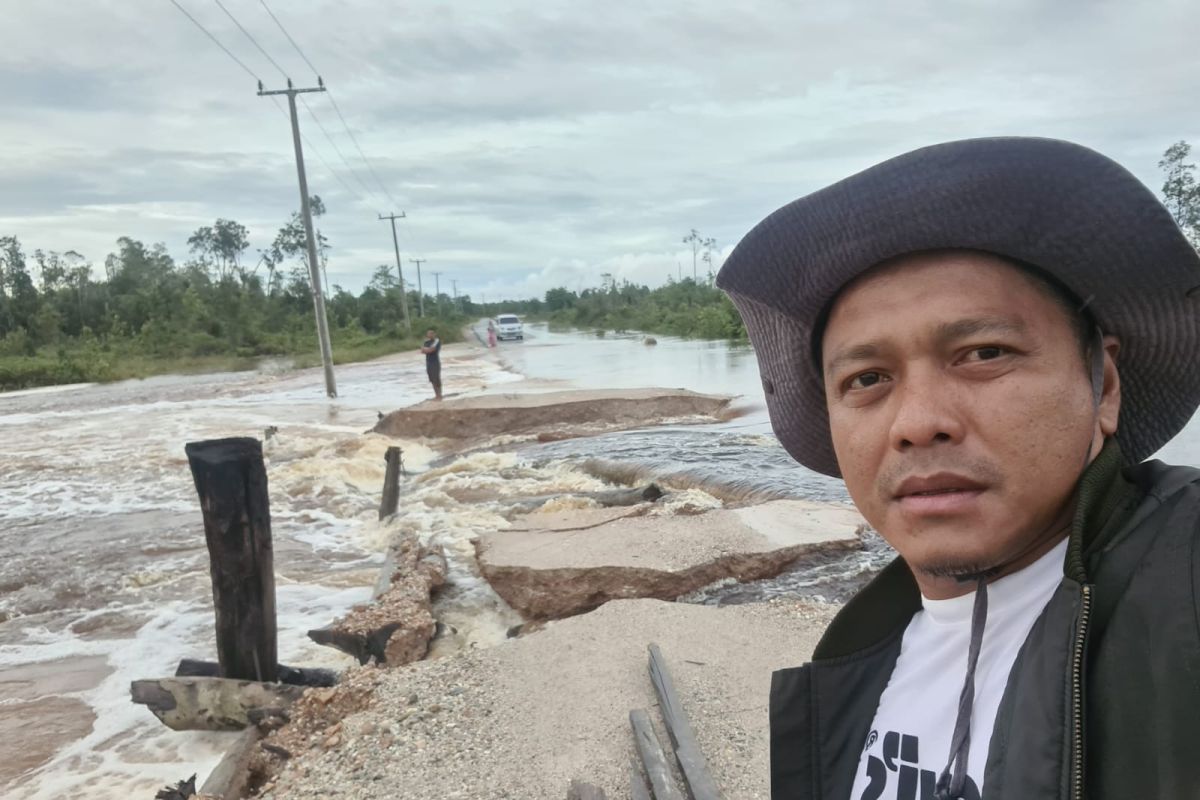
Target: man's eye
[
  {"x": 985, "y": 353},
  {"x": 866, "y": 380}
]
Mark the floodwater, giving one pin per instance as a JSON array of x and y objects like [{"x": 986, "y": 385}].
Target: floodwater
[{"x": 104, "y": 572}]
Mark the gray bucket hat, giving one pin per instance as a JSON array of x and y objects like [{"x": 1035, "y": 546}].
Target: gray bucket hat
[{"x": 1058, "y": 206}]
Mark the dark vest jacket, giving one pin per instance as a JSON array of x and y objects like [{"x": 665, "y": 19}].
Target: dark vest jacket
[{"x": 1103, "y": 701}]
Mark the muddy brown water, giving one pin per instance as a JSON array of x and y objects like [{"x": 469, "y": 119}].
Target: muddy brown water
[{"x": 103, "y": 570}]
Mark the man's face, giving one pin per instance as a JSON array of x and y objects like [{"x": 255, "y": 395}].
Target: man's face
[
  {"x": 431, "y": 334},
  {"x": 961, "y": 411}
]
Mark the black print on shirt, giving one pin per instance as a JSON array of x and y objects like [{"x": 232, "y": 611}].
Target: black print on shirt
[{"x": 901, "y": 763}]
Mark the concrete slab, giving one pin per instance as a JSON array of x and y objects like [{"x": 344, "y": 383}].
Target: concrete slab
[{"x": 553, "y": 573}]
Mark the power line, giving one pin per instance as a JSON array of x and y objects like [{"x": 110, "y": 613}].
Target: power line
[
  {"x": 253, "y": 41},
  {"x": 289, "y": 37},
  {"x": 251, "y": 73},
  {"x": 336, "y": 108},
  {"x": 333, "y": 144},
  {"x": 283, "y": 72},
  {"x": 354, "y": 139},
  {"x": 216, "y": 41},
  {"x": 321, "y": 158}
]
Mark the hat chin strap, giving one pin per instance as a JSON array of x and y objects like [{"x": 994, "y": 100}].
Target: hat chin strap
[{"x": 951, "y": 782}]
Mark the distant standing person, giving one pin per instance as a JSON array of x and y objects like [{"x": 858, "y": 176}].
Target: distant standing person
[
  {"x": 491, "y": 334},
  {"x": 432, "y": 348}
]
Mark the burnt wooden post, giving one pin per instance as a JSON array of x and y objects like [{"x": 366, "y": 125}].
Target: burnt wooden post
[
  {"x": 391, "y": 483},
  {"x": 232, "y": 483}
]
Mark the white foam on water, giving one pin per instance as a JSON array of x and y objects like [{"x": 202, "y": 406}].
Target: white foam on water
[
  {"x": 64, "y": 387},
  {"x": 688, "y": 501},
  {"x": 116, "y": 451},
  {"x": 119, "y": 449}
]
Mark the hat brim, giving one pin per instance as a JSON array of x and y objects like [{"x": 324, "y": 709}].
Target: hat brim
[{"x": 1061, "y": 207}]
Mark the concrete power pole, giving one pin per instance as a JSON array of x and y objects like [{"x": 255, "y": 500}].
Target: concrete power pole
[
  {"x": 454, "y": 283},
  {"x": 420, "y": 291},
  {"x": 399, "y": 269},
  {"x": 314, "y": 272},
  {"x": 437, "y": 290}
]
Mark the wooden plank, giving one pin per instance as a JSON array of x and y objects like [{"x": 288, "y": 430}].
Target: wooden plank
[
  {"x": 211, "y": 704},
  {"x": 658, "y": 769},
  {"x": 584, "y": 791},
  {"x": 391, "y": 483},
  {"x": 638, "y": 789},
  {"x": 293, "y": 676},
  {"x": 229, "y": 778},
  {"x": 687, "y": 750},
  {"x": 232, "y": 484}
]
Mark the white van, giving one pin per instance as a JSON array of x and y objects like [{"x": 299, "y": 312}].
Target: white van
[{"x": 508, "y": 326}]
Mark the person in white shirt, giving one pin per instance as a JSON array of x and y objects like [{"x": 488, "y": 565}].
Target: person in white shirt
[{"x": 943, "y": 332}]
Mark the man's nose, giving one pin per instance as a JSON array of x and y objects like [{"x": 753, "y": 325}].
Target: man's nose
[{"x": 926, "y": 410}]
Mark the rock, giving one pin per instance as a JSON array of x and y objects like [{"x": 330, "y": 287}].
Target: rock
[
  {"x": 566, "y": 570},
  {"x": 650, "y": 340},
  {"x": 397, "y": 626},
  {"x": 332, "y": 742},
  {"x": 582, "y": 410}
]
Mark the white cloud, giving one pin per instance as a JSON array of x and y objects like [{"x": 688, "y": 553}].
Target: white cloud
[{"x": 546, "y": 143}]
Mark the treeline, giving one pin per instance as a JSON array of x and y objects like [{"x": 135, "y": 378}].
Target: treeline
[
  {"x": 680, "y": 308},
  {"x": 60, "y": 322}
]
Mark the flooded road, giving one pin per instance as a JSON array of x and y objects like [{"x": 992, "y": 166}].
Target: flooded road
[{"x": 104, "y": 572}]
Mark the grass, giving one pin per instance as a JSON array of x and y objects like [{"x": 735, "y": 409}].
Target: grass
[{"x": 92, "y": 363}]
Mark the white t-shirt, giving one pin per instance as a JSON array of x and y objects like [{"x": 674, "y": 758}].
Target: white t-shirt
[{"x": 909, "y": 742}]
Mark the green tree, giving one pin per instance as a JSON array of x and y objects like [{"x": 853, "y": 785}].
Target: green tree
[
  {"x": 222, "y": 245},
  {"x": 1181, "y": 194}
]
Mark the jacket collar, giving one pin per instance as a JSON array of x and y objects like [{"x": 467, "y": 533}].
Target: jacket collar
[{"x": 1104, "y": 500}]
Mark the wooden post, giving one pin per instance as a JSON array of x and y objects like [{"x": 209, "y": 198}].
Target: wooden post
[
  {"x": 687, "y": 750},
  {"x": 232, "y": 484},
  {"x": 658, "y": 770},
  {"x": 391, "y": 483},
  {"x": 637, "y": 783}
]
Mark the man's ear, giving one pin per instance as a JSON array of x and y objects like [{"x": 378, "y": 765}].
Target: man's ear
[{"x": 1110, "y": 396}]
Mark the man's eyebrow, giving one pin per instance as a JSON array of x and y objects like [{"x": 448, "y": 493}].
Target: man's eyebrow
[
  {"x": 858, "y": 352},
  {"x": 944, "y": 333},
  {"x": 960, "y": 329}
]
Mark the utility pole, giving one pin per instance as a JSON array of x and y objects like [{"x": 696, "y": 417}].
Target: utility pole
[
  {"x": 399, "y": 269},
  {"x": 437, "y": 290},
  {"x": 314, "y": 272},
  {"x": 420, "y": 291},
  {"x": 454, "y": 283}
]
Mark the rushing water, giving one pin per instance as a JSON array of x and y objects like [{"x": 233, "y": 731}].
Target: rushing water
[{"x": 104, "y": 572}]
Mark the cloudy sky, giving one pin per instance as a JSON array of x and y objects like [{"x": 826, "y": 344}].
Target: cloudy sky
[{"x": 537, "y": 144}]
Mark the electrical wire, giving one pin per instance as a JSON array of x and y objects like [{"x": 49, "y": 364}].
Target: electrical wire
[
  {"x": 216, "y": 41},
  {"x": 283, "y": 72},
  {"x": 311, "y": 147},
  {"x": 253, "y": 41},
  {"x": 289, "y": 37},
  {"x": 333, "y": 144},
  {"x": 333, "y": 101}
]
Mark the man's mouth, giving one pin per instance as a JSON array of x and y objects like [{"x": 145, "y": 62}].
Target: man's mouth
[{"x": 940, "y": 493}]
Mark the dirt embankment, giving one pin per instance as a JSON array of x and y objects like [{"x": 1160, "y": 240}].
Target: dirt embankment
[{"x": 557, "y": 413}]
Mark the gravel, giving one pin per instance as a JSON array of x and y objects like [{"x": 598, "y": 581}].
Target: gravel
[{"x": 524, "y": 718}]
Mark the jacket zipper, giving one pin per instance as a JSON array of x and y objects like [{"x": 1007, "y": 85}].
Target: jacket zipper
[{"x": 1085, "y": 612}]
